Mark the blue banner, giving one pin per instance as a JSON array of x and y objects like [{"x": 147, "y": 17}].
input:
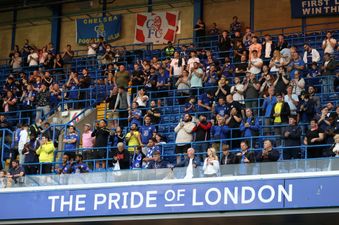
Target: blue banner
[
  {"x": 92, "y": 28},
  {"x": 310, "y": 8},
  {"x": 173, "y": 198}
]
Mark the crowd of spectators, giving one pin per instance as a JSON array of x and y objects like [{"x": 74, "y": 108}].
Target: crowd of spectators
[{"x": 250, "y": 85}]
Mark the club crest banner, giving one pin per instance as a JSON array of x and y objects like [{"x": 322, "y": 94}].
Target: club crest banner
[
  {"x": 107, "y": 27},
  {"x": 156, "y": 27}
]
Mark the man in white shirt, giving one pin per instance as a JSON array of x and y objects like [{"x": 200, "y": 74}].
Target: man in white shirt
[
  {"x": 23, "y": 139},
  {"x": 33, "y": 58},
  {"x": 329, "y": 43},
  {"x": 310, "y": 55},
  {"x": 92, "y": 48},
  {"x": 292, "y": 100},
  {"x": 238, "y": 91},
  {"x": 256, "y": 63},
  {"x": 177, "y": 65},
  {"x": 192, "y": 60}
]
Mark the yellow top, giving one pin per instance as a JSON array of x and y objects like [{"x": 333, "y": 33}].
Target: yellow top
[
  {"x": 133, "y": 141},
  {"x": 46, "y": 152},
  {"x": 277, "y": 109}
]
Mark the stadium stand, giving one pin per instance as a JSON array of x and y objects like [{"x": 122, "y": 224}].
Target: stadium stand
[{"x": 233, "y": 99}]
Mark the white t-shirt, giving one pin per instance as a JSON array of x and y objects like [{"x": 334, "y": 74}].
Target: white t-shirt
[
  {"x": 33, "y": 59},
  {"x": 254, "y": 69},
  {"x": 176, "y": 69},
  {"x": 23, "y": 139},
  {"x": 91, "y": 49},
  {"x": 236, "y": 96},
  {"x": 328, "y": 46},
  {"x": 191, "y": 62},
  {"x": 141, "y": 102},
  {"x": 296, "y": 89},
  {"x": 211, "y": 169},
  {"x": 293, "y": 108}
]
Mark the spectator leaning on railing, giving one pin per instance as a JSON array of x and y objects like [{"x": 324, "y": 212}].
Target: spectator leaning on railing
[{"x": 15, "y": 173}]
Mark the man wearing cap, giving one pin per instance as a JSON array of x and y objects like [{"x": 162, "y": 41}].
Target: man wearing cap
[{"x": 157, "y": 162}]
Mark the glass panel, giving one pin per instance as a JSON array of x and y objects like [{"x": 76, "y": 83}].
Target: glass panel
[{"x": 292, "y": 166}]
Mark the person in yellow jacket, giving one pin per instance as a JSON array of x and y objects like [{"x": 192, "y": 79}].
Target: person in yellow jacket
[{"x": 46, "y": 154}]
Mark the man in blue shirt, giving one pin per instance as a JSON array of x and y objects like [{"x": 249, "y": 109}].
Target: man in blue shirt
[
  {"x": 135, "y": 115},
  {"x": 219, "y": 131},
  {"x": 190, "y": 106},
  {"x": 147, "y": 130},
  {"x": 250, "y": 125},
  {"x": 267, "y": 107},
  {"x": 296, "y": 64},
  {"x": 163, "y": 84},
  {"x": 151, "y": 148},
  {"x": 79, "y": 166},
  {"x": 205, "y": 102},
  {"x": 65, "y": 167},
  {"x": 157, "y": 162},
  {"x": 70, "y": 141},
  {"x": 220, "y": 108}
]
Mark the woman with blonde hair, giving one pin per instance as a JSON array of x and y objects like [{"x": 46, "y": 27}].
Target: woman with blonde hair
[
  {"x": 211, "y": 163},
  {"x": 276, "y": 62}
]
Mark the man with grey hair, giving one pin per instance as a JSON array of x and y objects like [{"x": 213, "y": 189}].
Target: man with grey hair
[
  {"x": 190, "y": 157},
  {"x": 191, "y": 162},
  {"x": 122, "y": 156}
]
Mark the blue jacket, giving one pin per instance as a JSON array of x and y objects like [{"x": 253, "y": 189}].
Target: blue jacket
[
  {"x": 219, "y": 132},
  {"x": 268, "y": 106},
  {"x": 254, "y": 128},
  {"x": 157, "y": 165},
  {"x": 186, "y": 161}
]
